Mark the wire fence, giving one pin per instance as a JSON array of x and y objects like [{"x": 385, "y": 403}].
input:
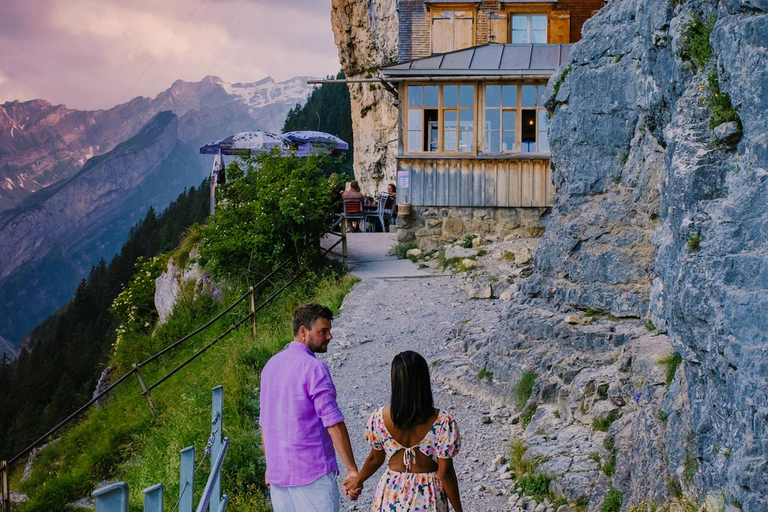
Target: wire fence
[{"x": 250, "y": 296}]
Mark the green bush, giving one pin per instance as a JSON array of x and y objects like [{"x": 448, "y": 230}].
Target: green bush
[
  {"x": 271, "y": 208},
  {"x": 672, "y": 361},
  {"x": 610, "y": 465},
  {"x": 535, "y": 485},
  {"x": 695, "y": 47},
  {"x": 524, "y": 388},
  {"x": 694, "y": 241},
  {"x": 719, "y": 103},
  {"x": 485, "y": 374},
  {"x": 604, "y": 424},
  {"x": 613, "y": 501},
  {"x": 401, "y": 249},
  {"x": 467, "y": 243}
]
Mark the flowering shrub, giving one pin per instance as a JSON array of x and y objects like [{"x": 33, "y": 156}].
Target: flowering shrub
[
  {"x": 271, "y": 208},
  {"x": 135, "y": 306}
]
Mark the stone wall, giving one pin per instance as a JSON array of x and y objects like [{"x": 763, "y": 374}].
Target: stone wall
[{"x": 431, "y": 227}]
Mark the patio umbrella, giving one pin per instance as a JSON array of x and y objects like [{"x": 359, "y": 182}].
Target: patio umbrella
[
  {"x": 245, "y": 143},
  {"x": 307, "y": 141}
]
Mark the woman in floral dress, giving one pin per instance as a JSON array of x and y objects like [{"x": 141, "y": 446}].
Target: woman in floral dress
[{"x": 418, "y": 443}]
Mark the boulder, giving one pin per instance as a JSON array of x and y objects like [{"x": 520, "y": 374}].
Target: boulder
[{"x": 459, "y": 252}]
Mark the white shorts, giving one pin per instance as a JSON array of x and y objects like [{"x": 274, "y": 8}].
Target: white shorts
[{"x": 322, "y": 495}]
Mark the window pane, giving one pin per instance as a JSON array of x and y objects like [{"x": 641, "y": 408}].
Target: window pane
[
  {"x": 508, "y": 120},
  {"x": 492, "y": 119},
  {"x": 414, "y": 141},
  {"x": 539, "y": 22},
  {"x": 492, "y": 141},
  {"x": 520, "y": 36},
  {"x": 466, "y": 142},
  {"x": 449, "y": 144},
  {"x": 543, "y": 142},
  {"x": 543, "y": 120},
  {"x": 431, "y": 95},
  {"x": 414, "y": 95},
  {"x": 529, "y": 95},
  {"x": 450, "y": 95},
  {"x": 542, "y": 89},
  {"x": 508, "y": 141},
  {"x": 467, "y": 95},
  {"x": 492, "y": 95},
  {"x": 450, "y": 120},
  {"x": 415, "y": 119},
  {"x": 529, "y": 147},
  {"x": 466, "y": 119},
  {"x": 520, "y": 23},
  {"x": 509, "y": 96},
  {"x": 538, "y": 36}
]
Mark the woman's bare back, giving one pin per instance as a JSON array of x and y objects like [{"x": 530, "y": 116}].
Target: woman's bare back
[{"x": 408, "y": 438}]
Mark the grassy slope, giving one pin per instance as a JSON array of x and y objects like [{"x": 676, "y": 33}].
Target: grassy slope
[{"x": 122, "y": 441}]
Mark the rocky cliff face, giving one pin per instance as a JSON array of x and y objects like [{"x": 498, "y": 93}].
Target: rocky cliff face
[
  {"x": 366, "y": 36},
  {"x": 53, "y": 238},
  {"x": 41, "y": 144},
  {"x": 656, "y": 218}
]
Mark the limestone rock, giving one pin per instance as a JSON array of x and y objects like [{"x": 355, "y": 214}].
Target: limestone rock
[
  {"x": 727, "y": 133},
  {"x": 414, "y": 253},
  {"x": 459, "y": 252},
  {"x": 578, "y": 320},
  {"x": 523, "y": 257},
  {"x": 471, "y": 263},
  {"x": 167, "y": 289}
]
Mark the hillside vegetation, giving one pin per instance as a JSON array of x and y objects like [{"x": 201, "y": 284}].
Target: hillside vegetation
[{"x": 280, "y": 203}]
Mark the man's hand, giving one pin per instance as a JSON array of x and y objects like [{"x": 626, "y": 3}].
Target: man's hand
[{"x": 352, "y": 485}]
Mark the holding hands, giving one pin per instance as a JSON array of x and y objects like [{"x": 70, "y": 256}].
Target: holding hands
[{"x": 353, "y": 486}]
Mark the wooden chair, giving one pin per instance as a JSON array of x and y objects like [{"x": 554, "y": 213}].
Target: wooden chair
[{"x": 353, "y": 210}]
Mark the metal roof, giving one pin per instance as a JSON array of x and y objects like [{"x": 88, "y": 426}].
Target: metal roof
[{"x": 491, "y": 59}]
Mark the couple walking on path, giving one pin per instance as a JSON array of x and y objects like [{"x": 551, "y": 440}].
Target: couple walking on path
[{"x": 302, "y": 428}]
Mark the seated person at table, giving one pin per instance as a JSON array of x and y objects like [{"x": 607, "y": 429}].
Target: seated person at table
[{"x": 353, "y": 194}]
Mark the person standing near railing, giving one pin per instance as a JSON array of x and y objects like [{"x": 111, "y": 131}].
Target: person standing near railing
[{"x": 300, "y": 421}]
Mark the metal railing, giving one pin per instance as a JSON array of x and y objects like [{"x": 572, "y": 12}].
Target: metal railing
[
  {"x": 136, "y": 368},
  {"x": 115, "y": 497}
]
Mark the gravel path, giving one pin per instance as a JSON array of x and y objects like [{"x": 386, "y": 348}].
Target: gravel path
[{"x": 384, "y": 316}]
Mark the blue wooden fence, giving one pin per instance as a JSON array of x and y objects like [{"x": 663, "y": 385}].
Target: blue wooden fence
[{"x": 114, "y": 497}]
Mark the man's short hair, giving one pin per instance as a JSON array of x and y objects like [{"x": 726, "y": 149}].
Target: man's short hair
[
  {"x": 307, "y": 315},
  {"x": 354, "y": 185}
]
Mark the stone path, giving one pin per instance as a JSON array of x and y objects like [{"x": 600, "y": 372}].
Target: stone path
[{"x": 390, "y": 311}]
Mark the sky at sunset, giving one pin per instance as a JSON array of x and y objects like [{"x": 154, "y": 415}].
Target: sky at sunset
[{"x": 87, "y": 54}]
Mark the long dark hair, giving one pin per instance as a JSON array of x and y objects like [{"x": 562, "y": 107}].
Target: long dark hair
[{"x": 411, "y": 402}]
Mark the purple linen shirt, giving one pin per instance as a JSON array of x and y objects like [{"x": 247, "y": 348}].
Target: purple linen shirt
[{"x": 298, "y": 403}]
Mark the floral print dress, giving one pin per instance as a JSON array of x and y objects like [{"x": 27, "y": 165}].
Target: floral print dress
[{"x": 413, "y": 492}]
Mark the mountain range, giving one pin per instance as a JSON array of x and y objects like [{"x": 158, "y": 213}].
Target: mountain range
[{"x": 72, "y": 182}]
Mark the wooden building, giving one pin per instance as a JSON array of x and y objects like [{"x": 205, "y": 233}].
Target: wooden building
[{"x": 470, "y": 79}]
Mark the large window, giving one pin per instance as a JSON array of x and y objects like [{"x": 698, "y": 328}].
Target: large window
[
  {"x": 440, "y": 118},
  {"x": 515, "y": 119},
  {"x": 452, "y": 30},
  {"x": 529, "y": 28}
]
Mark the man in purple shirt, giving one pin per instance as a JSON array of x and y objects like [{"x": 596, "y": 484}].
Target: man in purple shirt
[{"x": 301, "y": 423}]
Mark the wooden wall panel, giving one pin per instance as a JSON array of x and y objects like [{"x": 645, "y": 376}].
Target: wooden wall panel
[
  {"x": 559, "y": 31},
  {"x": 498, "y": 28},
  {"x": 479, "y": 182}
]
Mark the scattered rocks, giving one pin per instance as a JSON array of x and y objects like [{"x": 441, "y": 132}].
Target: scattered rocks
[
  {"x": 414, "y": 253},
  {"x": 457, "y": 251}
]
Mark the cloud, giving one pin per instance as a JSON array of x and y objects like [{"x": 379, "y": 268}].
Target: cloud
[{"x": 90, "y": 53}]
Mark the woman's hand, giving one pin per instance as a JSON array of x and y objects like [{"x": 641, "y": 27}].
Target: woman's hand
[{"x": 352, "y": 486}]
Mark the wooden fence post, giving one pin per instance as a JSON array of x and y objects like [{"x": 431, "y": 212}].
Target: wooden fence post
[
  {"x": 252, "y": 305},
  {"x": 153, "y": 498},
  {"x": 344, "y": 241},
  {"x": 217, "y": 425},
  {"x": 4, "y": 469},
  {"x": 145, "y": 391},
  {"x": 187, "y": 482}
]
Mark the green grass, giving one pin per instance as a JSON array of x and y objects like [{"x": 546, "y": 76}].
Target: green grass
[
  {"x": 613, "y": 501},
  {"x": 401, "y": 249},
  {"x": 610, "y": 465},
  {"x": 650, "y": 326},
  {"x": 122, "y": 441},
  {"x": 719, "y": 103},
  {"x": 690, "y": 468},
  {"x": 694, "y": 241},
  {"x": 467, "y": 242},
  {"x": 672, "y": 361},
  {"x": 526, "y": 415},
  {"x": 663, "y": 415},
  {"x": 604, "y": 424},
  {"x": 484, "y": 374},
  {"x": 524, "y": 388},
  {"x": 560, "y": 80},
  {"x": 595, "y": 456},
  {"x": 695, "y": 47},
  {"x": 535, "y": 485}
]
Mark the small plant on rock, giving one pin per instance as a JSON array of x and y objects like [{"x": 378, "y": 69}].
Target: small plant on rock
[
  {"x": 604, "y": 424},
  {"x": 719, "y": 103},
  {"x": 535, "y": 485},
  {"x": 694, "y": 241},
  {"x": 467, "y": 243},
  {"x": 650, "y": 326},
  {"x": 690, "y": 468},
  {"x": 401, "y": 249},
  {"x": 672, "y": 361},
  {"x": 484, "y": 374},
  {"x": 663, "y": 415},
  {"x": 524, "y": 388},
  {"x": 610, "y": 465},
  {"x": 695, "y": 48},
  {"x": 613, "y": 501}
]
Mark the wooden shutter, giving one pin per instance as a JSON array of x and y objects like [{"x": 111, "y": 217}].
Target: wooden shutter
[
  {"x": 559, "y": 30},
  {"x": 463, "y": 24},
  {"x": 498, "y": 28},
  {"x": 442, "y": 35}
]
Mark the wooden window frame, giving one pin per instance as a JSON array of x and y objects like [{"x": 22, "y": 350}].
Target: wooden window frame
[
  {"x": 482, "y": 106},
  {"x": 441, "y": 109}
]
